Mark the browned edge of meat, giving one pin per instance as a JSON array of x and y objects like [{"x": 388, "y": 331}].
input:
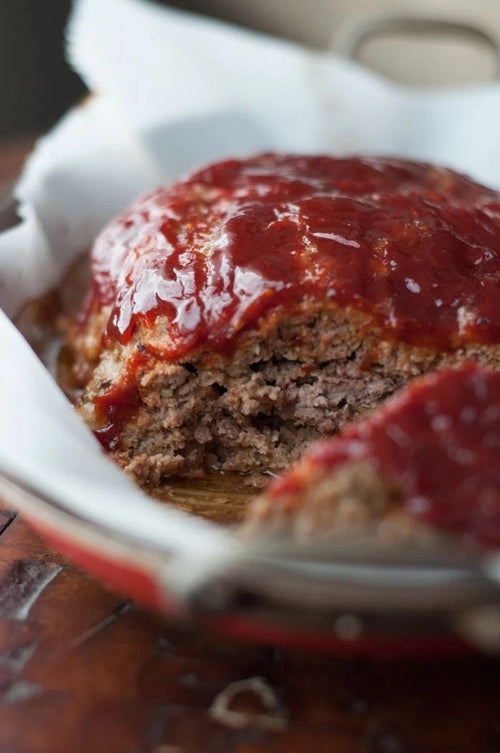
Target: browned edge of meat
[{"x": 355, "y": 501}]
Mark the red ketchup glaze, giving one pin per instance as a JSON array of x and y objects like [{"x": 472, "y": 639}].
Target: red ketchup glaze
[
  {"x": 119, "y": 403},
  {"x": 415, "y": 246},
  {"x": 440, "y": 439}
]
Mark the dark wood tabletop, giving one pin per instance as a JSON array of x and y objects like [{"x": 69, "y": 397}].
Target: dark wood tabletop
[{"x": 84, "y": 670}]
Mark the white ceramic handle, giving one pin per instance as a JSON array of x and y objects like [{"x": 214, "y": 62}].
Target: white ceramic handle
[{"x": 351, "y": 36}]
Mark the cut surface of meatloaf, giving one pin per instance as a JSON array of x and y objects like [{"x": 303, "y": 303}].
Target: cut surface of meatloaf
[
  {"x": 427, "y": 461},
  {"x": 261, "y": 303}
]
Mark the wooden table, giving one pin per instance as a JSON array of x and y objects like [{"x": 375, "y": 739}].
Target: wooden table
[{"x": 82, "y": 670}]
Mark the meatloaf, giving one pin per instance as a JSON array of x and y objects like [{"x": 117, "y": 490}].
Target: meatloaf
[
  {"x": 261, "y": 303},
  {"x": 425, "y": 462}
]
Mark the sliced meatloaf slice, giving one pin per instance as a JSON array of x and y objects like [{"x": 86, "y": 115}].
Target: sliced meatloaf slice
[
  {"x": 427, "y": 461},
  {"x": 261, "y": 303}
]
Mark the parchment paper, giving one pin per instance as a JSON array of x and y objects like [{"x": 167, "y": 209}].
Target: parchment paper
[{"x": 173, "y": 91}]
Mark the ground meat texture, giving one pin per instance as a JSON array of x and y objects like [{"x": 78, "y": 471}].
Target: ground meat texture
[
  {"x": 259, "y": 409},
  {"x": 424, "y": 464},
  {"x": 262, "y": 303}
]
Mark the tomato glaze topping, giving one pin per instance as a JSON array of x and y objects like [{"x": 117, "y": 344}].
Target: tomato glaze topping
[
  {"x": 440, "y": 440},
  {"x": 416, "y": 247}
]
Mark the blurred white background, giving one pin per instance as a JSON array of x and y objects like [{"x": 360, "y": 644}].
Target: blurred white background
[
  {"x": 37, "y": 86},
  {"x": 413, "y": 58}
]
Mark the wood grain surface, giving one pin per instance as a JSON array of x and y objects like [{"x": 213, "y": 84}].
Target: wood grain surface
[{"x": 83, "y": 670}]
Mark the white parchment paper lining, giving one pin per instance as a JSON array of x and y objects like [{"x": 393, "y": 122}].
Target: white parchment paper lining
[{"x": 173, "y": 91}]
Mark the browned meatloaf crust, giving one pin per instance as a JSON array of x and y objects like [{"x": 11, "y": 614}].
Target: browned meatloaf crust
[
  {"x": 425, "y": 463},
  {"x": 262, "y": 303}
]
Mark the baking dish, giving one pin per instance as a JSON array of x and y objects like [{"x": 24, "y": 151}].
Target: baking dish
[{"x": 353, "y": 598}]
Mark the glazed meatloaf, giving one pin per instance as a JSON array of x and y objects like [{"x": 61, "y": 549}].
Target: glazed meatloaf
[
  {"x": 260, "y": 303},
  {"x": 423, "y": 464}
]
